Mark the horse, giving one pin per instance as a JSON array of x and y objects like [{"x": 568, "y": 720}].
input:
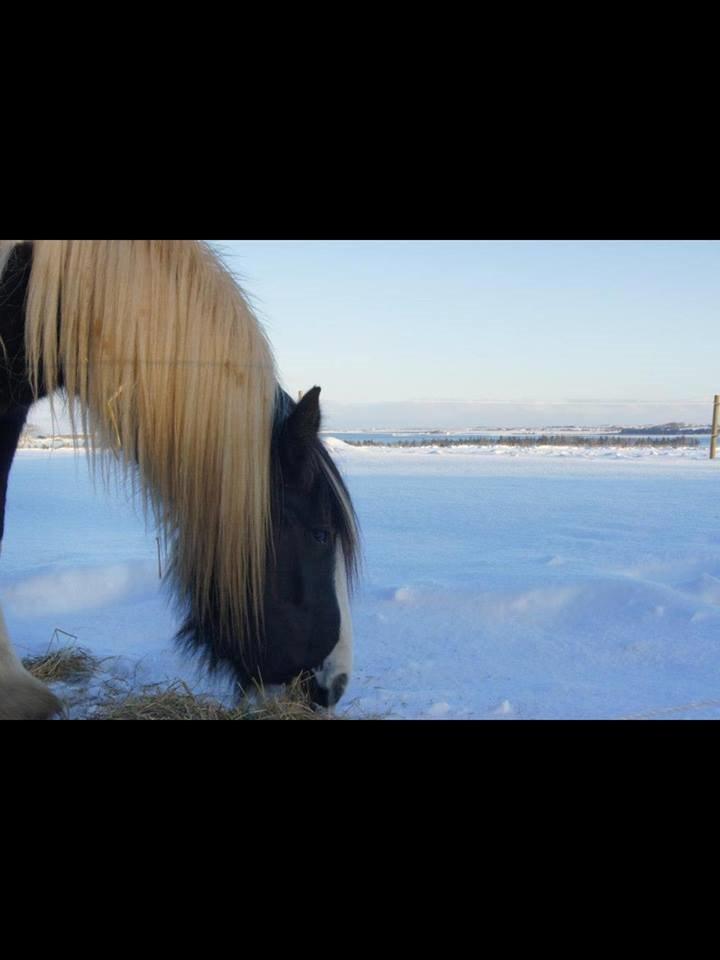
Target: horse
[{"x": 170, "y": 376}]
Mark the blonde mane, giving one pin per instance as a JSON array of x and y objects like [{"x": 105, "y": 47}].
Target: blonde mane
[{"x": 173, "y": 375}]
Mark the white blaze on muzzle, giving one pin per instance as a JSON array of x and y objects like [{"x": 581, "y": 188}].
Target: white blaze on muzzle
[{"x": 334, "y": 675}]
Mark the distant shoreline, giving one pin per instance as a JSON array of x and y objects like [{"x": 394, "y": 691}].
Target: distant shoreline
[
  {"x": 610, "y": 430},
  {"x": 670, "y": 434},
  {"x": 538, "y": 441},
  {"x": 29, "y": 442}
]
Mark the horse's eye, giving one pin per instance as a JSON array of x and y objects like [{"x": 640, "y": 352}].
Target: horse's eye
[{"x": 322, "y": 536}]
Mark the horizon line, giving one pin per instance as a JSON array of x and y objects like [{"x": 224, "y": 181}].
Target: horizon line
[{"x": 545, "y": 403}]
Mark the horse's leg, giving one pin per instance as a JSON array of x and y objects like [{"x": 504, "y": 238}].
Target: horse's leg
[{"x": 22, "y": 697}]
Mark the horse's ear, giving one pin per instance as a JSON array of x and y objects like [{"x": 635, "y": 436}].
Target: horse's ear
[{"x": 300, "y": 432}]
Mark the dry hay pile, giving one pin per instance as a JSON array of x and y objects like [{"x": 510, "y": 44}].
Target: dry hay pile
[
  {"x": 67, "y": 665},
  {"x": 174, "y": 701},
  {"x": 178, "y": 702}
]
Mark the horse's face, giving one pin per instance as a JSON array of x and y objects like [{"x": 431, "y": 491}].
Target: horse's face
[{"x": 307, "y": 610}]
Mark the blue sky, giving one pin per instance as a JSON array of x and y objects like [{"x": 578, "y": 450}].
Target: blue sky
[
  {"x": 494, "y": 329},
  {"x": 460, "y": 333}
]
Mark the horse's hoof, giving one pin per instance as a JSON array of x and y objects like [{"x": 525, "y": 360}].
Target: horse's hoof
[{"x": 24, "y": 698}]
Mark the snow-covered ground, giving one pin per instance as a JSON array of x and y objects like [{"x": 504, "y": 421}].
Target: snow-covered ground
[{"x": 499, "y": 583}]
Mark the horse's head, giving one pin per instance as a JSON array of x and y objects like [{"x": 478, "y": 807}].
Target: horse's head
[
  {"x": 305, "y": 628},
  {"x": 311, "y": 560},
  {"x": 306, "y": 604}
]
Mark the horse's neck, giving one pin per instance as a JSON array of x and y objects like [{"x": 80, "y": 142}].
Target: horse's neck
[
  {"x": 11, "y": 426},
  {"x": 15, "y": 388}
]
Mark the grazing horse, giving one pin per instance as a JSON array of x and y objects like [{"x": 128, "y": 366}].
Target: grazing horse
[{"x": 171, "y": 378}]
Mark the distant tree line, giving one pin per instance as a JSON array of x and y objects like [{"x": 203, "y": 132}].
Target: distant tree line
[
  {"x": 676, "y": 428},
  {"x": 547, "y": 441}
]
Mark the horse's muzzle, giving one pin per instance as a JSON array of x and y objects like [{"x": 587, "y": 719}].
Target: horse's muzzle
[{"x": 329, "y": 697}]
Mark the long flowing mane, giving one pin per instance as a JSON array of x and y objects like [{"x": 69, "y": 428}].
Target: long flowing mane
[{"x": 172, "y": 374}]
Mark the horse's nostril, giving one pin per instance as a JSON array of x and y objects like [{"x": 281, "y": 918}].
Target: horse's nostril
[
  {"x": 339, "y": 687},
  {"x": 324, "y": 697}
]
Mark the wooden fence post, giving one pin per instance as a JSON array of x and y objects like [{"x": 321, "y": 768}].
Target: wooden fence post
[{"x": 715, "y": 424}]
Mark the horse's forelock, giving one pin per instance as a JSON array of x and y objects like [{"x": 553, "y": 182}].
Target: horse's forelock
[{"x": 343, "y": 510}]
